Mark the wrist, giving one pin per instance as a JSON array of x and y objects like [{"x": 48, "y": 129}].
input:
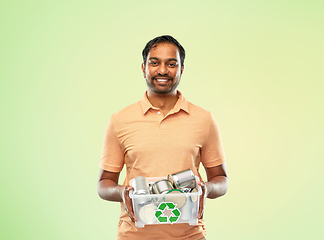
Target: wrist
[{"x": 121, "y": 190}]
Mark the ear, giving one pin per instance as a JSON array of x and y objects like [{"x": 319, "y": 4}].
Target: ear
[
  {"x": 143, "y": 69},
  {"x": 182, "y": 68}
]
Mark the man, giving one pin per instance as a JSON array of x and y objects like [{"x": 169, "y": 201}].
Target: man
[{"x": 161, "y": 134}]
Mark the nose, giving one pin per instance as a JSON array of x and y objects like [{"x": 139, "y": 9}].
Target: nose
[{"x": 162, "y": 69}]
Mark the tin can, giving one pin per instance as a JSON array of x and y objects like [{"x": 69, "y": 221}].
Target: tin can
[
  {"x": 183, "y": 179},
  {"x": 150, "y": 187},
  {"x": 162, "y": 186},
  {"x": 140, "y": 186},
  {"x": 176, "y": 196},
  {"x": 194, "y": 198},
  {"x": 147, "y": 213}
]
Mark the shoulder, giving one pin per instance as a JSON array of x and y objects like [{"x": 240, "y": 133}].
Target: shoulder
[
  {"x": 199, "y": 112},
  {"x": 127, "y": 113}
]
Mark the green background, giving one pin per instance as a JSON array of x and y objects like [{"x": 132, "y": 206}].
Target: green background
[{"x": 66, "y": 66}]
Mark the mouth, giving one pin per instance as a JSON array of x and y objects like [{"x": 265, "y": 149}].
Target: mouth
[{"x": 161, "y": 80}]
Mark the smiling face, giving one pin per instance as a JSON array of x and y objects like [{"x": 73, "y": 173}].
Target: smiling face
[{"x": 163, "y": 69}]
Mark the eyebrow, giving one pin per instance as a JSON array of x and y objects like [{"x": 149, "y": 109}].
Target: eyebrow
[{"x": 170, "y": 59}]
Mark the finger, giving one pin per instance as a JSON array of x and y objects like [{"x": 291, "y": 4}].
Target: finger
[
  {"x": 128, "y": 207},
  {"x": 201, "y": 200},
  {"x": 129, "y": 204},
  {"x": 201, "y": 183},
  {"x": 201, "y": 207}
]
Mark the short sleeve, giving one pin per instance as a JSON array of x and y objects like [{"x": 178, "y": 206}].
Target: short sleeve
[
  {"x": 112, "y": 156},
  {"x": 212, "y": 153}
]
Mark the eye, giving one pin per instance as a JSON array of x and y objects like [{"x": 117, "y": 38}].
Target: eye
[
  {"x": 172, "y": 64},
  {"x": 153, "y": 63}
]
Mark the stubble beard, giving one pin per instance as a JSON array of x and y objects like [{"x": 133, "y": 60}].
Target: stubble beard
[{"x": 155, "y": 90}]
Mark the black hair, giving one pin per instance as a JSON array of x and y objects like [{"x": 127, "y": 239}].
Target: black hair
[{"x": 163, "y": 39}]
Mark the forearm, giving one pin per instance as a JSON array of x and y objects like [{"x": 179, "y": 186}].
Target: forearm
[
  {"x": 110, "y": 191},
  {"x": 217, "y": 186}
]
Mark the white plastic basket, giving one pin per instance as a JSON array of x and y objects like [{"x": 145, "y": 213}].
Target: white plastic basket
[{"x": 166, "y": 208}]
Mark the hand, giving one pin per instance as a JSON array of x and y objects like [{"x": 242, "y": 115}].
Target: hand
[
  {"x": 128, "y": 202},
  {"x": 202, "y": 199}
]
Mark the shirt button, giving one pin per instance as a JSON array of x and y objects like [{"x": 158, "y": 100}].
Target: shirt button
[
  {"x": 162, "y": 122},
  {"x": 159, "y": 113}
]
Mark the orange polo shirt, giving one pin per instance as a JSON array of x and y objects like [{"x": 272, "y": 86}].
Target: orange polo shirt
[{"x": 150, "y": 144}]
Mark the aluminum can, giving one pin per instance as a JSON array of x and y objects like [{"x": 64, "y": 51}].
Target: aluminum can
[
  {"x": 162, "y": 186},
  {"x": 183, "y": 179},
  {"x": 140, "y": 186}
]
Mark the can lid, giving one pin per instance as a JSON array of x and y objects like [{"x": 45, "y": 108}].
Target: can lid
[
  {"x": 180, "y": 200},
  {"x": 175, "y": 191},
  {"x": 146, "y": 213}
]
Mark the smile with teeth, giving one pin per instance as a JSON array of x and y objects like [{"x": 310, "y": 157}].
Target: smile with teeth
[{"x": 161, "y": 80}]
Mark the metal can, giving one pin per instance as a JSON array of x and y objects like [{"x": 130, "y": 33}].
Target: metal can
[
  {"x": 140, "y": 186},
  {"x": 147, "y": 213},
  {"x": 162, "y": 186},
  {"x": 183, "y": 179},
  {"x": 194, "y": 198}
]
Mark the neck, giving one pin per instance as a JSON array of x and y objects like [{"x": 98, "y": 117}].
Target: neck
[{"x": 165, "y": 102}]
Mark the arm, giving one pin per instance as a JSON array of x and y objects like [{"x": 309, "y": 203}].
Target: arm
[
  {"x": 108, "y": 189},
  {"x": 216, "y": 185}
]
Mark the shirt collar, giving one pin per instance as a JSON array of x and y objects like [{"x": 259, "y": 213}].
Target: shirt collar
[{"x": 182, "y": 103}]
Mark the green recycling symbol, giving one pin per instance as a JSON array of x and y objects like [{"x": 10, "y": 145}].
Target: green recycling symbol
[{"x": 174, "y": 216}]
